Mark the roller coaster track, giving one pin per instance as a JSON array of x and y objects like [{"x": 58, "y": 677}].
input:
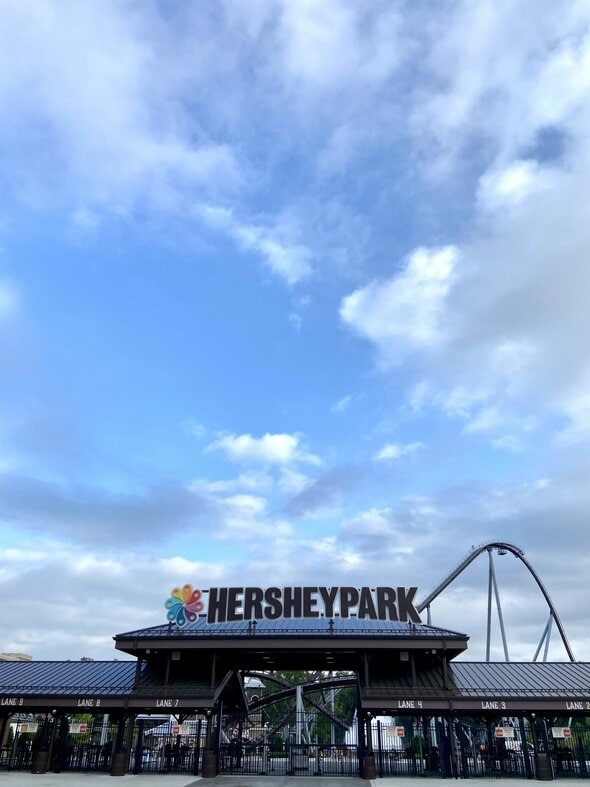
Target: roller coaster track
[
  {"x": 502, "y": 547},
  {"x": 288, "y": 691}
]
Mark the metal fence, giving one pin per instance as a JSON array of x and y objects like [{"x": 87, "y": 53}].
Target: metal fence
[
  {"x": 307, "y": 759},
  {"x": 305, "y": 747}
]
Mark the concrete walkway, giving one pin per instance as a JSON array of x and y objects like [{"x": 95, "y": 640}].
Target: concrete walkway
[{"x": 17, "y": 779}]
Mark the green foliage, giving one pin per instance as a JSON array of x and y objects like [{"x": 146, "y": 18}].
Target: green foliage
[{"x": 278, "y": 744}]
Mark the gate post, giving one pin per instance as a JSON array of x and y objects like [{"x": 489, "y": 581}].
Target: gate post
[
  {"x": 581, "y": 756},
  {"x": 211, "y": 754},
  {"x": 525, "y": 749},
  {"x": 380, "y": 748},
  {"x": 60, "y": 743},
  {"x": 138, "y": 759},
  {"x": 544, "y": 771},
  {"x": 452, "y": 742}
]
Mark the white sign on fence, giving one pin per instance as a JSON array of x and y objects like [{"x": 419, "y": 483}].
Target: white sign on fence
[
  {"x": 391, "y": 731},
  {"x": 561, "y": 732},
  {"x": 181, "y": 729},
  {"x": 78, "y": 729},
  {"x": 28, "y": 726},
  {"x": 504, "y": 732}
]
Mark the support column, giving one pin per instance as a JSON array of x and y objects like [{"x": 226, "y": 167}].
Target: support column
[
  {"x": 525, "y": 749},
  {"x": 138, "y": 759},
  {"x": 368, "y": 770},
  {"x": 453, "y": 744},
  {"x": 211, "y": 753},
  {"x": 58, "y": 759},
  {"x": 360, "y": 729},
  {"x": 197, "y": 752},
  {"x": 543, "y": 768},
  {"x": 3, "y": 729}
]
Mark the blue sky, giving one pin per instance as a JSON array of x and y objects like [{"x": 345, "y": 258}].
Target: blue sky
[{"x": 291, "y": 292}]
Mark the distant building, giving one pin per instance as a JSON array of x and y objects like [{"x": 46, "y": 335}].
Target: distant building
[{"x": 15, "y": 657}]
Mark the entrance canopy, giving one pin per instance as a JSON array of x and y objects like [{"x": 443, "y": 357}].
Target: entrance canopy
[
  {"x": 399, "y": 668},
  {"x": 294, "y": 644}
]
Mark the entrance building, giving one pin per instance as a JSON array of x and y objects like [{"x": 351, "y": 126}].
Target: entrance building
[{"x": 184, "y": 703}]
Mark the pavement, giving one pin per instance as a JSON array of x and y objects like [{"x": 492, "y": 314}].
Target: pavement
[{"x": 19, "y": 779}]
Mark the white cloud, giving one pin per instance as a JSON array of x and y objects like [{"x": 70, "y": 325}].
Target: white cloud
[
  {"x": 292, "y": 483},
  {"x": 280, "y": 449},
  {"x": 252, "y": 481},
  {"x": 101, "y": 125},
  {"x": 282, "y": 254},
  {"x": 506, "y": 326},
  {"x": 196, "y": 428},
  {"x": 577, "y": 408},
  {"x": 509, "y": 443},
  {"x": 503, "y": 71},
  {"x": 342, "y": 404},
  {"x": 291, "y": 262},
  {"x": 333, "y": 46},
  {"x": 245, "y": 506},
  {"x": 406, "y": 310},
  {"x": 512, "y": 184},
  {"x": 484, "y": 420},
  {"x": 244, "y": 518},
  {"x": 397, "y": 450}
]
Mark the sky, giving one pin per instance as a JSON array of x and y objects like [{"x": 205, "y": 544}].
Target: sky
[{"x": 292, "y": 293}]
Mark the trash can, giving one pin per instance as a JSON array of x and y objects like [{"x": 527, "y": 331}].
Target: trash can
[
  {"x": 209, "y": 769},
  {"x": 543, "y": 767},
  {"x": 40, "y": 761},
  {"x": 368, "y": 767},
  {"x": 119, "y": 763}
]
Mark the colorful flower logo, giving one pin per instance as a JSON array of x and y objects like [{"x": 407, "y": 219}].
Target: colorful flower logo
[{"x": 183, "y": 605}]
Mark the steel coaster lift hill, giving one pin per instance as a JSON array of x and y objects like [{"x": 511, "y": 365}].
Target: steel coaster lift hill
[{"x": 217, "y": 692}]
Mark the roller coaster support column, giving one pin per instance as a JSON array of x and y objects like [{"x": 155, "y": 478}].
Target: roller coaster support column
[
  {"x": 299, "y": 714},
  {"x": 493, "y": 583}
]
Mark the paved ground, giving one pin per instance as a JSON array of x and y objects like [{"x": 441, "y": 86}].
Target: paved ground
[{"x": 14, "y": 779}]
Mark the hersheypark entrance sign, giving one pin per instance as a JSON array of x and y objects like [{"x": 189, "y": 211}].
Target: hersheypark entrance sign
[{"x": 252, "y": 603}]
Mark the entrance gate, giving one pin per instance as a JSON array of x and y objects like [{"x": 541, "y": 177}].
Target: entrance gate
[
  {"x": 293, "y": 744},
  {"x": 414, "y": 747},
  {"x": 296, "y": 760}
]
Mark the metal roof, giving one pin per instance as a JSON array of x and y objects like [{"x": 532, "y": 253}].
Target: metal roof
[
  {"x": 100, "y": 684},
  {"x": 67, "y": 678},
  {"x": 523, "y": 679},
  {"x": 489, "y": 688},
  {"x": 561, "y": 687},
  {"x": 295, "y": 627}
]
